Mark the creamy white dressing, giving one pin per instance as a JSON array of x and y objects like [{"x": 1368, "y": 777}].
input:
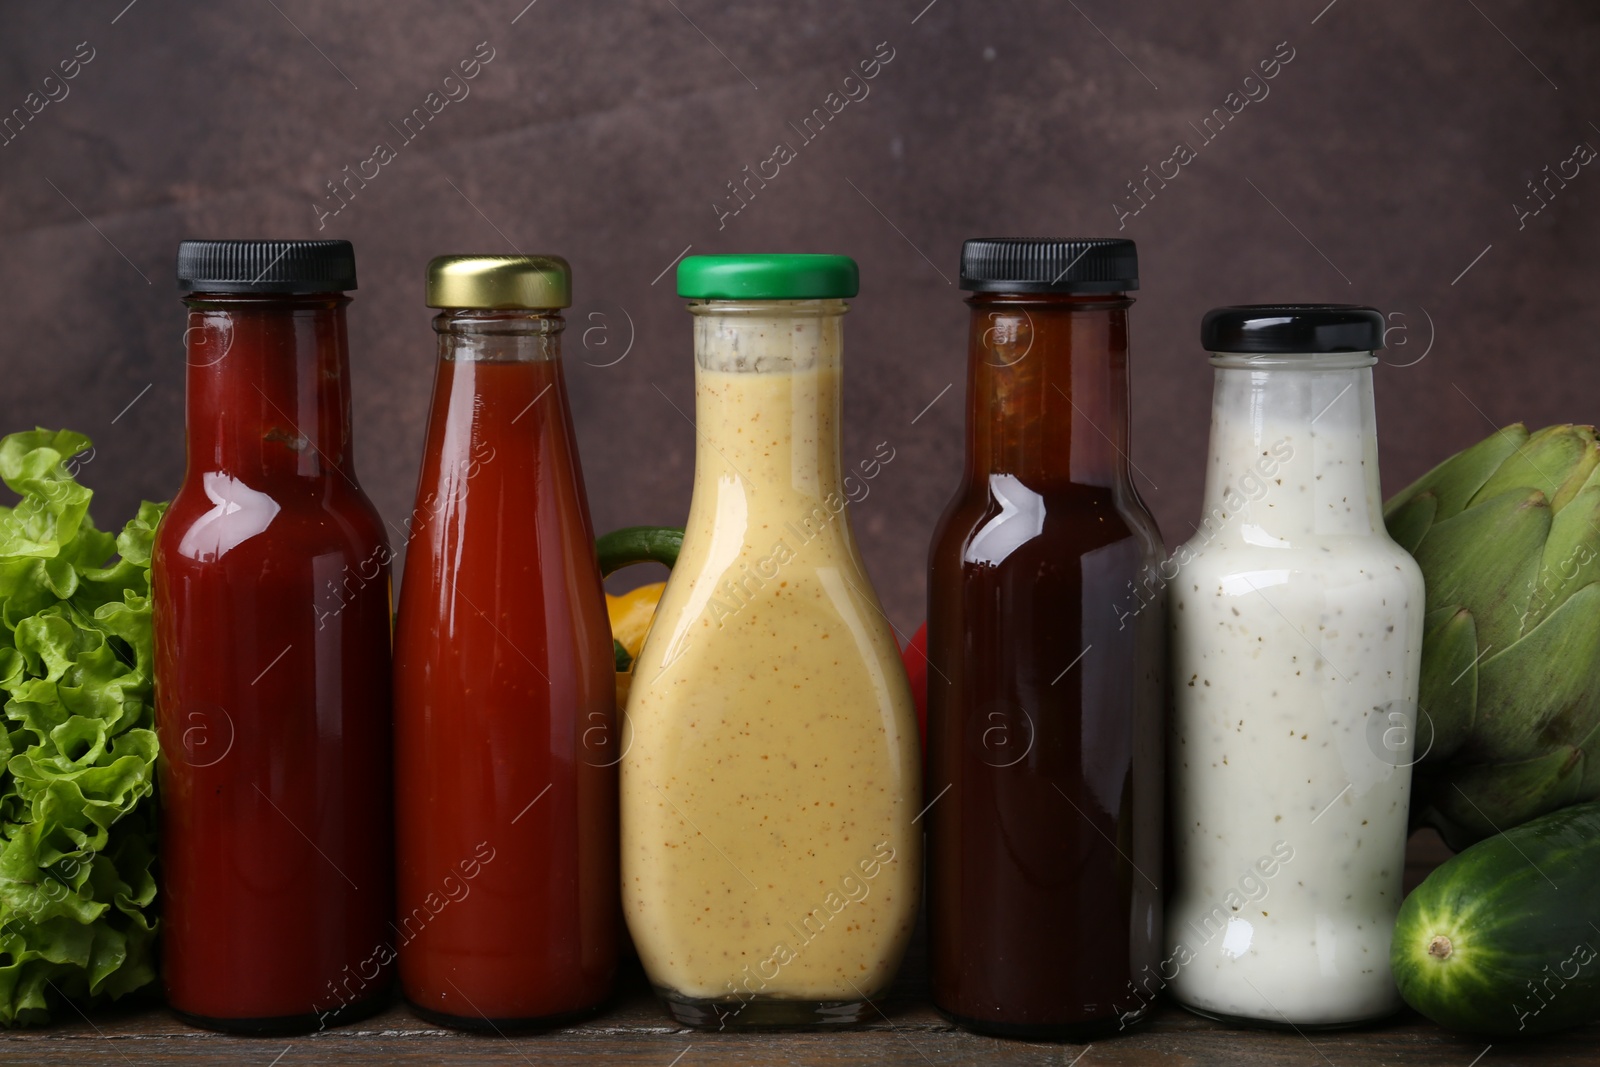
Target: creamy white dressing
[{"x": 1296, "y": 642}]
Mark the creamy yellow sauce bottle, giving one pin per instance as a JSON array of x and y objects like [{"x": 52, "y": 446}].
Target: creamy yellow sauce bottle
[{"x": 771, "y": 869}]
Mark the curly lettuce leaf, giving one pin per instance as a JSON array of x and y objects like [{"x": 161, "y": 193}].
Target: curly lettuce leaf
[{"x": 77, "y": 738}]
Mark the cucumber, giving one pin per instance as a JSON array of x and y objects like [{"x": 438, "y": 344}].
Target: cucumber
[
  {"x": 638, "y": 544},
  {"x": 1504, "y": 939}
]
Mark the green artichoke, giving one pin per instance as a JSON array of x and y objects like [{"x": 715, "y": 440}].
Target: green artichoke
[{"x": 1507, "y": 534}]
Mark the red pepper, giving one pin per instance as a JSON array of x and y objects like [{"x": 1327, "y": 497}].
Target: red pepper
[{"x": 915, "y": 657}]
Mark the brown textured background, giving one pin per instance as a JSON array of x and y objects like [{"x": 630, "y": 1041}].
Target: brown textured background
[{"x": 1387, "y": 155}]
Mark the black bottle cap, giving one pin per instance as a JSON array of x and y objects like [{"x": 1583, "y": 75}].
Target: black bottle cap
[
  {"x": 1285, "y": 329},
  {"x": 1073, "y": 265},
  {"x": 266, "y": 266}
]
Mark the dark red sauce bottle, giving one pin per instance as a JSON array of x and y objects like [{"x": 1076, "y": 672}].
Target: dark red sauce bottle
[{"x": 272, "y": 630}]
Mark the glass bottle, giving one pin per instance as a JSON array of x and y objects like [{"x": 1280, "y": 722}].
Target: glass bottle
[
  {"x": 1044, "y": 685},
  {"x": 271, "y": 584},
  {"x": 771, "y": 866},
  {"x": 1296, "y": 645},
  {"x": 505, "y": 774}
]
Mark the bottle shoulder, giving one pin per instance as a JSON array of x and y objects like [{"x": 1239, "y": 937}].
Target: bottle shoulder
[
  {"x": 215, "y": 513},
  {"x": 1206, "y": 559},
  {"x": 990, "y": 520},
  {"x": 786, "y": 629}
]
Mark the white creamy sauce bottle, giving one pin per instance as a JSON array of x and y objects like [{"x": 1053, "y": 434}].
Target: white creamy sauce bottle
[{"x": 1296, "y": 645}]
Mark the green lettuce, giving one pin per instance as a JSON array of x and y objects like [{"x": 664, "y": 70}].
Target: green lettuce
[{"x": 77, "y": 738}]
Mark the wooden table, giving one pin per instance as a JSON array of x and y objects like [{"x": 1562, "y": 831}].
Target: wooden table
[{"x": 634, "y": 1030}]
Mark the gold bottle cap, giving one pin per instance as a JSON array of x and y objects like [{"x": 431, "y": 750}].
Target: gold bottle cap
[{"x": 499, "y": 282}]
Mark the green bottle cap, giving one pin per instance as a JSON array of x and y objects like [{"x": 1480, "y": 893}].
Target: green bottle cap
[{"x": 779, "y": 276}]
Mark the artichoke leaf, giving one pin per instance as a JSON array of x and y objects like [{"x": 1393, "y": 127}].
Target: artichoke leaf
[
  {"x": 1448, "y": 693},
  {"x": 1410, "y": 521},
  {"x": 1590, "y": 788},
  {"x": 1570, "y": 557},
  {"x": 1540, "y": 692},
  {"x": 1467, "y": 803},
  {"x": 1486, "y": 560},
  {"x": 1556, "y": 460},
  {"x": 1458, "y": 479}
]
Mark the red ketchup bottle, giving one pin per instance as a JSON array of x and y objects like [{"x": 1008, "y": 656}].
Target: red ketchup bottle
[
  {"x": 272, "y": 631},
  {"x": 505, "y": 694}
]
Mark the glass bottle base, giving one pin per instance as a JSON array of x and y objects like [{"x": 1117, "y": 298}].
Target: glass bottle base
[
  {"x": 763, "y": 1013},
  {"x": 285, "y": 1025},
  {"x": 1281, "y": 1023},
  {"x": 479, "y": 1024}
]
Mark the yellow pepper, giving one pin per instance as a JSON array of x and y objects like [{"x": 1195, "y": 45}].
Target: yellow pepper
[
  {"x": 630, "y": 615},
  {"x": 632, "y": 612}
]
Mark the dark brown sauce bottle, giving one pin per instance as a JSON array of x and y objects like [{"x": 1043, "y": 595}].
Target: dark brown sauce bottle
[{"x": 1045, "y": 636}]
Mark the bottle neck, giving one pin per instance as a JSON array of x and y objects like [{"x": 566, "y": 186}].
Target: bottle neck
[
  {"x": 518, "y": 335},
  {"x": 268, "y": 393},
  {"x": 767, "y": 395},
  {"x": 1294, "y": 449},
  {"x": 1047, "y": 388}
]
